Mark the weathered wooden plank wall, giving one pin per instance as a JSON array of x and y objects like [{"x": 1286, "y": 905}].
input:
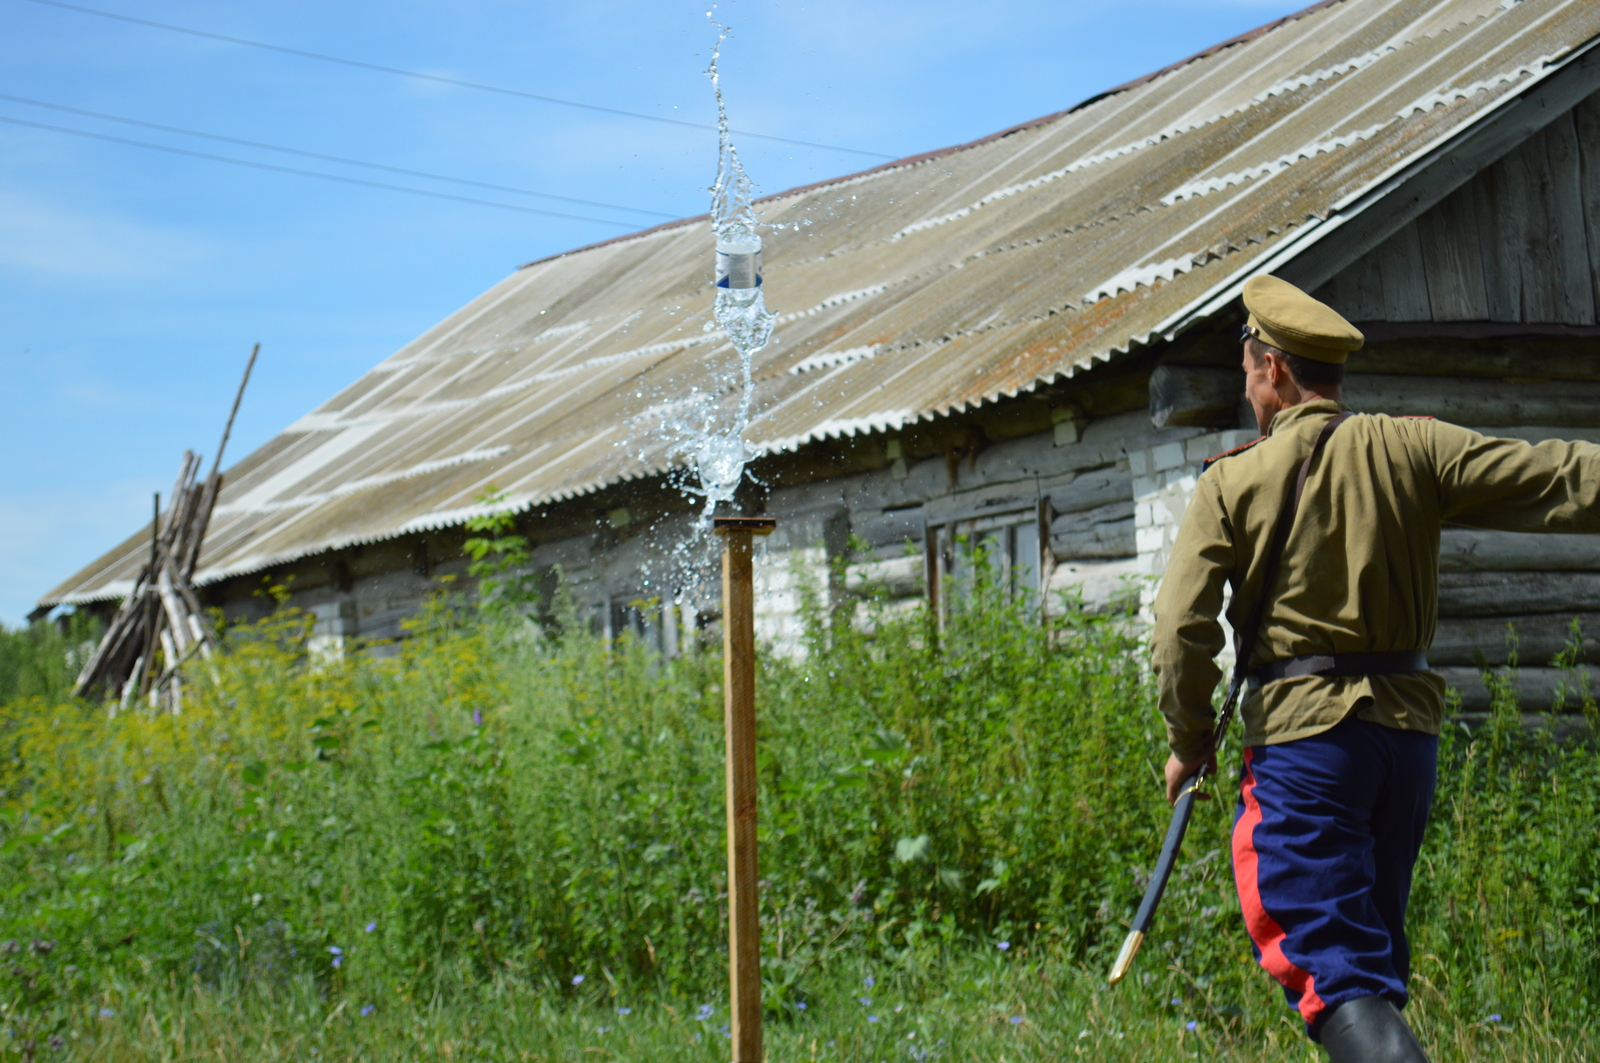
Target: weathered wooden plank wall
[{"x": 1520, "y": 242}]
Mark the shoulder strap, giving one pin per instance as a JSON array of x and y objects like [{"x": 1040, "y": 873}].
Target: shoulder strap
[{"x": 1245, "y": 638}]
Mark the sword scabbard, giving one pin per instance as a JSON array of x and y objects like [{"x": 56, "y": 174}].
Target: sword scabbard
[{"x": 1182, "y": 812}]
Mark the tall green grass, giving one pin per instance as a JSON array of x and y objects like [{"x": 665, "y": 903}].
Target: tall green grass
[
  {"x": 41, "y": 660},
  {"x": 488, "y": 844}
]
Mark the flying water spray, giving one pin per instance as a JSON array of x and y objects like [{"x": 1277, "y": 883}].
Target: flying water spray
[
  {"x": 704, "y": 432},
  {"x": 740, "y": 309}
]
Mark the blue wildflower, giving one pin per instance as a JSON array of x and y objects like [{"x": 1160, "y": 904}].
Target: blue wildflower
[
  {"x": 1191, "y": 1024},
  {"x": 605, "y": 1029},
  {"x": 1003, "y": 946},
  {"x": 107, "y": 1013},
  {"x": 577, "y": 979},
  {"x": 624, "y": 1011},
  {"x": 1494, "y": 1018},
  {"x": 372, "y": 926},
  {"x": 872, "y": 1018},
  {"x": 705, "y": 1012},
  {"x": 1177, "y": 1000},
  {"x": 866, "y": 1002},
  {"x": 869, "y": 981},
  {"x": 366, "y": 1009},
  {"x": 1015, "y": 1020},
  {"x": 801, "y": 1005}
]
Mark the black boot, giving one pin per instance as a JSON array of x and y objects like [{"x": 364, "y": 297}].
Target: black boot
[{"x": 1369, "y": 1030}]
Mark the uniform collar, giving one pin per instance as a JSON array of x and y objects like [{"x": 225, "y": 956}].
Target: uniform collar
[{"x": 1287, "y": 419}]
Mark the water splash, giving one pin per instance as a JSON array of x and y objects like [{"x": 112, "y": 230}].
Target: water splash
[
  {"x": 701, "y": 429},
  {"x": 741, "y": 311}
]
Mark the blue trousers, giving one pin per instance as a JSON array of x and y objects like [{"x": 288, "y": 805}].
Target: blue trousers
[{"x": 1324, "y": 840}]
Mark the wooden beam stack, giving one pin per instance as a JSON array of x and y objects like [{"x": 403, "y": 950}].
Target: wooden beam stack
[{"x": 160, "y": 626}]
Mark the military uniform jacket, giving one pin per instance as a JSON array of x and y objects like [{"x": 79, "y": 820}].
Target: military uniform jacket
[{"x": 1360, "y": 570}]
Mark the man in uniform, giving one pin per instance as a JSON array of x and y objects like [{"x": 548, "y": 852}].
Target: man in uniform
[{"x": 1341, "y": 715}]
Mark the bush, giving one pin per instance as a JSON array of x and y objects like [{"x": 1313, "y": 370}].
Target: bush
[
  {"x": 492, "y": 806},
  {"x": 42, "y": 661}
]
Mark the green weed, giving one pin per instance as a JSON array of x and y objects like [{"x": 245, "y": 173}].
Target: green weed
[{"x": 487, "y": 844}]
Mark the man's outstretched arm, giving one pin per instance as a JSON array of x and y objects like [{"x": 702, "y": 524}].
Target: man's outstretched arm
[{"x": 1512, "y": 485}]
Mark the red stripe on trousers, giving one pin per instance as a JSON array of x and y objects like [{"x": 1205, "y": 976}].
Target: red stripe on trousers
[{"x": 1264, "y": 930}]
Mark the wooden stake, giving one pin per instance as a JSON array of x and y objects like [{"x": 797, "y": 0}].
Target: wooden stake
[
  {"x": 155, "y": 535},
  {"x": 739, "y": 692},
  {"x": 238, "y": 396}
]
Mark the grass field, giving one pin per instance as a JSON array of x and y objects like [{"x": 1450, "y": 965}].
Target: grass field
[
  {"x": 506, "y": 844},
  {"x": 1021, "y": 1011}
]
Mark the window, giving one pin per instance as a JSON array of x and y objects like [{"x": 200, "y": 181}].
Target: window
[
  {"x": 667, "y": 628},
  {"x": 1009, "y": 544}
]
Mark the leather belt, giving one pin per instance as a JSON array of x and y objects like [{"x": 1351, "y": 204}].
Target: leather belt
[{"x": 1341, "y": 664}]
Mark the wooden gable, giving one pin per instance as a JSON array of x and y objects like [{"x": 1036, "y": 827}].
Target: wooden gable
[{"x": 1518, "y": 243}]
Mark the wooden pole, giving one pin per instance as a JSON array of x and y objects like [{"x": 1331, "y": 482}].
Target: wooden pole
[
  {"x": 739, "y": 692},
  {"x": 238, "y": 396},
  {"x": 155, "y": 536}
]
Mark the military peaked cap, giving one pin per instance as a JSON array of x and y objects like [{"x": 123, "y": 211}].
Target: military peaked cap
[{"x": 1285, "y": 317}]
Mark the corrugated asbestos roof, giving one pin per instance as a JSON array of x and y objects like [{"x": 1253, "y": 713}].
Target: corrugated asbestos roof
[{"x": 915, "y": 290}]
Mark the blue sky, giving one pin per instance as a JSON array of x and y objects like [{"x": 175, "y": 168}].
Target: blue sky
[{"x": 133, "y": 281}]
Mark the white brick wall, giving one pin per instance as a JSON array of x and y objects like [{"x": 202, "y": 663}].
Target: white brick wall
[
  {"x": 780, "y": 576},
  {"x": 1164, "y": 478}
]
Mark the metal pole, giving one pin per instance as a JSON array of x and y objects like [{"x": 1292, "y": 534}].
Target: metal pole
[{"x": 739, "y": 692}]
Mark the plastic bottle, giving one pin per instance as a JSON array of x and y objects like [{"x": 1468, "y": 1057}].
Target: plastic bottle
[{"x": 739, "y": 261}]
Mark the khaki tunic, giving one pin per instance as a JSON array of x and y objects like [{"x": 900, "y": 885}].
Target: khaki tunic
[{"x": 1360, "y": 571}]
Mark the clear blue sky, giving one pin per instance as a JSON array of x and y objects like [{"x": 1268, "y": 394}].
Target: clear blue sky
[{"x": 132, "y": 281}]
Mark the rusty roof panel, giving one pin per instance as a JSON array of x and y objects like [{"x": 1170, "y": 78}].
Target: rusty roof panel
[{"x": 918, "y": 289}]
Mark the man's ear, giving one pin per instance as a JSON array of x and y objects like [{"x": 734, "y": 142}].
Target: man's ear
[{"x": 1277, "y": 371}]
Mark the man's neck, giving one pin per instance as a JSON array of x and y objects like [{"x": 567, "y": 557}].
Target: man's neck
[{"x": 1301, "y": 396}]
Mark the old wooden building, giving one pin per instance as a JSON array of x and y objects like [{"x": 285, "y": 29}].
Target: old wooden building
[{"x": 1030, "y": 340}]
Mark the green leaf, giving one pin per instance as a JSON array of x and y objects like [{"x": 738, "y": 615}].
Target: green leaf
[
  {"x": 22, "y": 839},
  {"x": 913, "y": 850},
  {"x": 885, "y": 747}
]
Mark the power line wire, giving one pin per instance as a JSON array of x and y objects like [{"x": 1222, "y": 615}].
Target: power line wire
[
  {"x": 444, "y": 80},
  {"x": 326, "y": 158},
  {"x": 310, "y": 173}
]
